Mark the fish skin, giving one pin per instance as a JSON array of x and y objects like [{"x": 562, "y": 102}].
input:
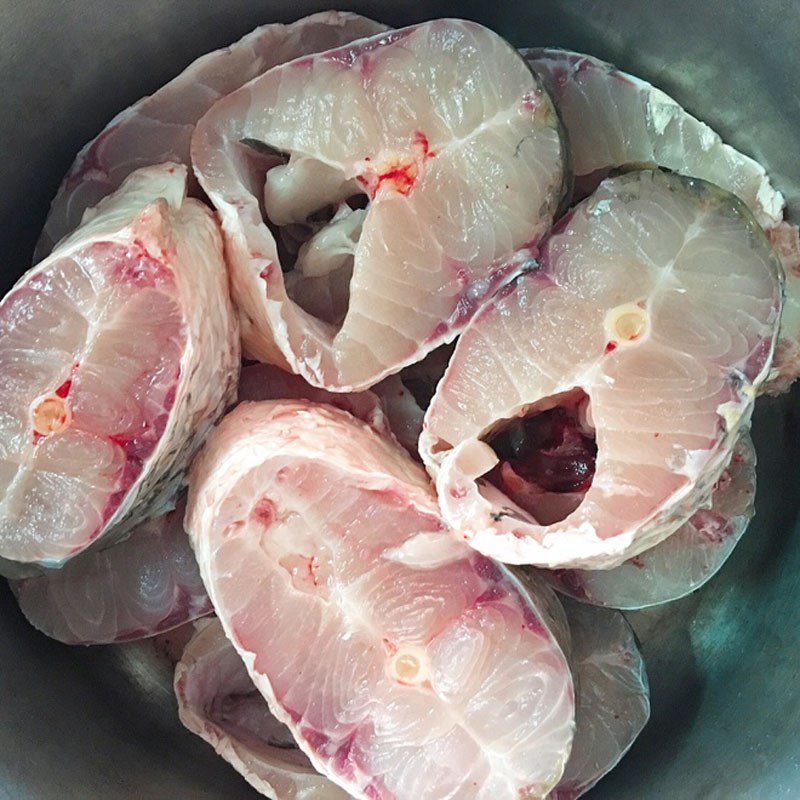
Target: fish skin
[
  {"x": 491, "y": 377},
  {"x": 333, "y": 450},
  {"x": 416, "y": 280}
]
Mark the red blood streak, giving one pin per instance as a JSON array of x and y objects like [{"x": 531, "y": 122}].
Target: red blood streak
[{"x": 63, "y": 390}]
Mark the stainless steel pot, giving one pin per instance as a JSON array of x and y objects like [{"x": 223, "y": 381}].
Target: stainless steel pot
[{"x": 723, "y": 663}]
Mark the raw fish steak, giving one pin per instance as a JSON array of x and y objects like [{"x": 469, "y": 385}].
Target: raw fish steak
[
  {"x": 404, "y": 663},
  {"x": 398, "y": 175},
  {"x": 615, "y": 120},
  {"x": 612, "y": 696},
  {"x": 117, "y": 354},
  {"x": 686, "y": 559},
  {"x": 150, "y": 583},
  {"x": 159, "y": 128},
  {"x": 589, "y": 409},
  {"x": 218, "y": 701},
  {"x": 141, "y": 587}
]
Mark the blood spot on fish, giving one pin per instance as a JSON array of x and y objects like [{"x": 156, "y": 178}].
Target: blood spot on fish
[
  {"x": 266, "y": 272},
  {"x": 486, "y": 568},
  {"x": 492, "y": 593},
  {"x": 317, "y": 741},
  {"x": 637, "y": 561},
  {"x": 531, "y": 100},
  {"x": 264, "y": 512},
  {"x": 611, "y": 347},
  {"x": 401, "y": 173},
  {"x": 342, "y": 762}
]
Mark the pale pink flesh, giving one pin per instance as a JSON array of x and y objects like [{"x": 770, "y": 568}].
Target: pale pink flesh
[
  {"x": 302, "y": 510},
  {"x": 667, "y": 406},
  {"x": 117, "y": 354},
  {"x": 150, "y": 583},
  {"x": 104, "y": 327},
  {"x": 159, "y": 128},
  {"x": 459, "y": 172},
  {"x": 138, "y": 588},
  {"x": 613, "y": 696},
  {"x": 685, "y": 560},
  {"x": 267, "y": 382},
  {"x": 218, "y": 701},
  {"x": 617, "y": 121}
]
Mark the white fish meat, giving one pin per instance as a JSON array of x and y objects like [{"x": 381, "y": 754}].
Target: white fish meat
[
  {"x": 412, "y": 666},
  {"x": 457, "y": 173},
  {"x": 117, "y": 354},
  {"x": 218, "y": 702},
  {"x": 612, "y": 703},
  {"x": 138, "y": 588},
  {"x": 159, "y": 128},
  {"x": 686, "y": 559},
  {"x": 150, "y": 582},
  {"x": 615, "y": 120},
  {"x": 615, "y": 379}
]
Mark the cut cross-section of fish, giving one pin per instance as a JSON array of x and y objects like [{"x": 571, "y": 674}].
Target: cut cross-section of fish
[
  {"x": 218, "y": 701},
  {"x": 141, "y": 587},
  {"x": 612, "y": 696},
  {"x": 686, "y": 559},
  {"x": 159, "y": 128},
  {"x": 446, "y": 136},
  {"x": 150, "y": 583},
  {"x": 589, "y": 409},
  {"x": 117, "y": 354},
  {"x": 617, "y": 121},
  {"x": 433, "y": 674}
]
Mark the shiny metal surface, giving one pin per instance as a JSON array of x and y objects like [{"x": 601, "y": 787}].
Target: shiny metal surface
[{"x": 723, "y": 663}]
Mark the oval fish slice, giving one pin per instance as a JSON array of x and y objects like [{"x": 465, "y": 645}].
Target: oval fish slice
[
  {"x": 612, "y": 696},
  {"x": 615, "y": 120},
  {"x": 218, "y": 702},
  {"x": 456, "y": 174},
  {"x": 149, "y": 583},
  {"x": 138, "y": 588},
  {"x": 412, "y": 666},
  {"x": 117, "y": 354},
  {"x": 686, "y": 559},
  {"x": 159, "y": 127},
  {"x": 634, "y": 353}
]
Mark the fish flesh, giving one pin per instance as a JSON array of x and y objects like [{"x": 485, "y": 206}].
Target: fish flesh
[
  {"x": 150, "y": 583},
  {"x": 618, "y": 374},
  {"x": 268, "y": 382},
  {"x": 159, "y": 128},
  {"x": 138, "y": 588},
  {"x": 433, "y": 674},
  {"x": 395, "y": 190},
  {"x": 686, "y": 559},
  {"x": 218, "y": 702},
  {"x": 612, "y": 702},
  {"x": 117, "y": 354},
  {"x": 615, "y": 120}
]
